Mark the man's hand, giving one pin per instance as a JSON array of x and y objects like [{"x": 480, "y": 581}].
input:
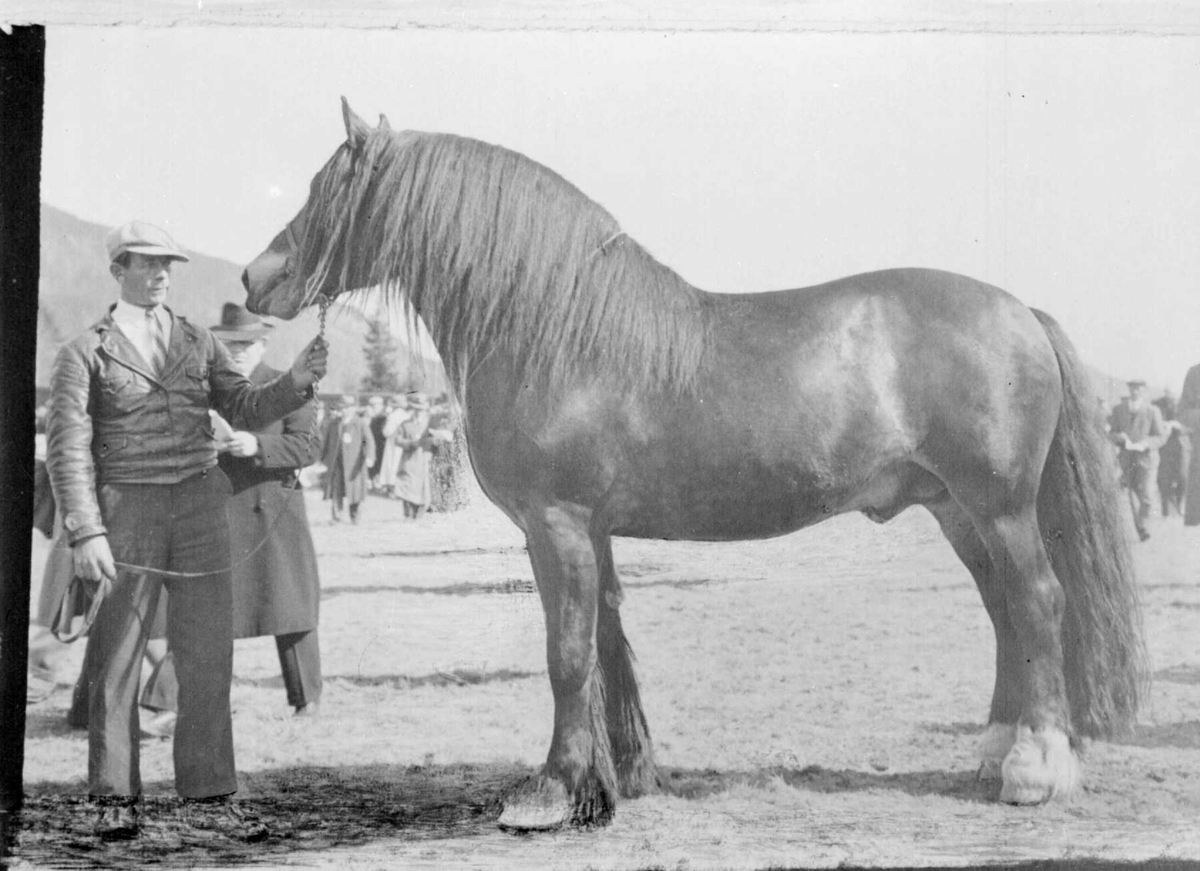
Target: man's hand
[
  {"x": 310, "y": 364},
  {"x": 93, "y": 559},
  {"x": 242, "y": 444}
]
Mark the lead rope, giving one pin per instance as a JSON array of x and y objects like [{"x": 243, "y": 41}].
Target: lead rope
[{"x": 104, "y": 585}]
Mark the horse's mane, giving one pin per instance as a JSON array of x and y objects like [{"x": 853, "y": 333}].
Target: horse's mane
[{"x": 494, "y": 250}]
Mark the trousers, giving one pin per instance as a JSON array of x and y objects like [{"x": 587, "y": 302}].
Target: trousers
[
  {"x": 299, "y": 662},
  {"x": 179, "y": 528}
]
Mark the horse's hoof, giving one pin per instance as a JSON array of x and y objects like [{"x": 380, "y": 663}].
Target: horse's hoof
[
  {"x": 1040, "y": 766},
  {"x": 538, "y": 805}
]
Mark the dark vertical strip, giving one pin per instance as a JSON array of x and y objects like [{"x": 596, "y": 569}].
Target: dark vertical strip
[{"x": 22, "y": 85}]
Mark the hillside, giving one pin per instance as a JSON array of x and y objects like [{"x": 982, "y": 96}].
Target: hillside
[{"x": 75, "y": 288}]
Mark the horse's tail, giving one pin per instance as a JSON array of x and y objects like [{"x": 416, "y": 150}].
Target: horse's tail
[{"x": 1105, "y": 661}]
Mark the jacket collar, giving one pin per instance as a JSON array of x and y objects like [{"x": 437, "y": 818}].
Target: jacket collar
[{"x": 115, "y": 343}]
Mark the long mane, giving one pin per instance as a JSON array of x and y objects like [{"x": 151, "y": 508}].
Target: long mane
[{"x": 494, "y": 250}]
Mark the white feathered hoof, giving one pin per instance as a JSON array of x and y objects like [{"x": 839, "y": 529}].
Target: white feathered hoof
[
  {"x": 996, "y": 743},
  {"x": 1039, "y": 767},
  {"x": 540, "y": 804}
]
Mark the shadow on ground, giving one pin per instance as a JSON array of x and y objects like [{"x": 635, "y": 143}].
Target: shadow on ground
[{"x": 311, "y": 809}]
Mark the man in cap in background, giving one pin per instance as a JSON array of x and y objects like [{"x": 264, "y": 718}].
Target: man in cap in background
[
  {"x": 1137, "y": 428},
  {"x": 346, "y": 450},
  {"x": 276, "y": 589},
  {"x": 133, "y": 464}
]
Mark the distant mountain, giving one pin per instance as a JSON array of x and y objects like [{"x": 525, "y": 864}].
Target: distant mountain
[{"x": 75, "y": 288}]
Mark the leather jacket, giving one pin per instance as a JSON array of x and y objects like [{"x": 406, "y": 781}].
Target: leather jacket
[{"x": 113, "y": 421}]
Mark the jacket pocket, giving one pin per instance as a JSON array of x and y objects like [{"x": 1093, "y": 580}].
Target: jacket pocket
[{"x": 198, "y": 377}]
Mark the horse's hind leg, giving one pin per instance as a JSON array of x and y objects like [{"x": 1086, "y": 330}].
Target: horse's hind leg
[
  {"x": 1001, "y": 732},
  {"x": 1041, "y": 764},
  {"x": 577, "y": 784},
  {"x": 629, "y": 736}
]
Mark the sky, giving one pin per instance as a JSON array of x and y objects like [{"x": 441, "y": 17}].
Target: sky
[{"x": 1062, "y": 168}]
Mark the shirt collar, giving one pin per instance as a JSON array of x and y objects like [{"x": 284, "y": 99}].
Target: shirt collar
[{"x": 129, "y": 315}]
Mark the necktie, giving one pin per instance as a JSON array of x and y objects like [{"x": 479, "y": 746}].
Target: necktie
[{"x": 158, "y": 342}]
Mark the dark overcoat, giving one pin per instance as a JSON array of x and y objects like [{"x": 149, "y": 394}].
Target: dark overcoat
[
  {"x": 276, "y": 590},
  {"x": 1188, "y": 412},
  {"x": 347, "y": 444}
]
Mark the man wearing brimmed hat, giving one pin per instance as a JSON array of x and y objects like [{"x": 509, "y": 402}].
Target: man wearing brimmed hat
[
  {"x": 276, "y": 590},
  {"x": 133, "y": 463},
  {"x": 1136, "y": 426}
]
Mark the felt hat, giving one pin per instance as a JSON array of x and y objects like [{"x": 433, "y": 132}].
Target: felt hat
[
  {"x": 349, "y": 401},
  {"x": 240, "y": 325},
  {"x": 418, "y": 401},
  {"x": 1137, "y": 382},
  {"x": 138, "y": 237}
]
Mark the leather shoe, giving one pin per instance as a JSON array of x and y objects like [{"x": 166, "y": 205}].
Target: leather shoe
[
  {"x": 309, "y": 710},
  {"x": 117, "y": 822},
  {"x": 223, "y": 816}
]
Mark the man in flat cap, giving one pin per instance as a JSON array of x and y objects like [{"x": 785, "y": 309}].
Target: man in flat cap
[
  {"x": 1137, "y": 428},
  {"x": 133, "y": 463}
]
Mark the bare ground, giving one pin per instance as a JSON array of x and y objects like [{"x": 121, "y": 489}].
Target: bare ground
[{"x": 815, "y": 701}]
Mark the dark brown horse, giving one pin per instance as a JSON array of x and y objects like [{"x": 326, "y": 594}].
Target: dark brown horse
[{"x": 605, "y": 396}]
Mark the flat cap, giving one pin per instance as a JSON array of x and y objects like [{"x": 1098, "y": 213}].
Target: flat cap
[{"x": 139, "y": 237}]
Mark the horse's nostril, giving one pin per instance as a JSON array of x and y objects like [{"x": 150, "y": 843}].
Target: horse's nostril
[{"x": 246, "y": 279}]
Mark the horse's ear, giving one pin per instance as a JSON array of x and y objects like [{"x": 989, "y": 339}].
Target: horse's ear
[
  {"x": 356, "y": 128},
  {"x": 383, "y": 122}
]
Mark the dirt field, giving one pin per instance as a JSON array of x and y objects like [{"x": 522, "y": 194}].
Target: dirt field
[{"x": 815, "y": 700}]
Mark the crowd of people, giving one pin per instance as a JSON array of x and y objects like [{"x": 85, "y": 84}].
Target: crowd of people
[{"x": 386, "y": 447}]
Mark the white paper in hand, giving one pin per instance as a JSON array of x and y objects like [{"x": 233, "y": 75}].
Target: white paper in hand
[{"x": 222, "y": 431}]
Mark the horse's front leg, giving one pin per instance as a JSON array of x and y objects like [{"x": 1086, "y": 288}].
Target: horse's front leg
[{"x": 578, "y": 783}]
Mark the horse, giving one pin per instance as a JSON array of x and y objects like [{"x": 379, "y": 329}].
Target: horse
[{"x": 605, "y": 396}]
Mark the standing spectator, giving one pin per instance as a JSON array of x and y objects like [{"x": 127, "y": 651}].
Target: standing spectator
[
  {"x": 276, "y": 589},
  {"x": 1136, "y": 427},
  {"x": 378, "y": 419},
  {"x": 133, "y": 465},
  {"x": 416, "y": 445},
  {"x": 396, "y": 408},
  {"x": 345, "y": 450},
  {"x": 1188, "y": 413},
  {"x": 1174, "y": 457}
]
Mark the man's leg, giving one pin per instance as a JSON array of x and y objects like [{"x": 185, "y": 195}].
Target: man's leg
[
  {"x": 300, "y": 664},
  {"x": 112, "y": 673},
  {"x": 138, "y": 532},
  {"x": 200, "y": 635}
]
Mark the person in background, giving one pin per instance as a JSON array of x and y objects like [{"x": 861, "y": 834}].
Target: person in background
[
  {"x": 346, "y": 447},
  {"x": 1136, "y": 428},
  {"x": 377, "y": 419},
  {"x": 1187, "y": 411},
  {"x": 416, "y": 445},
  {"x": 1174, "y": 457},
  {"x": 133, "y": 464},
  {"x": 276, "y": 588}
]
